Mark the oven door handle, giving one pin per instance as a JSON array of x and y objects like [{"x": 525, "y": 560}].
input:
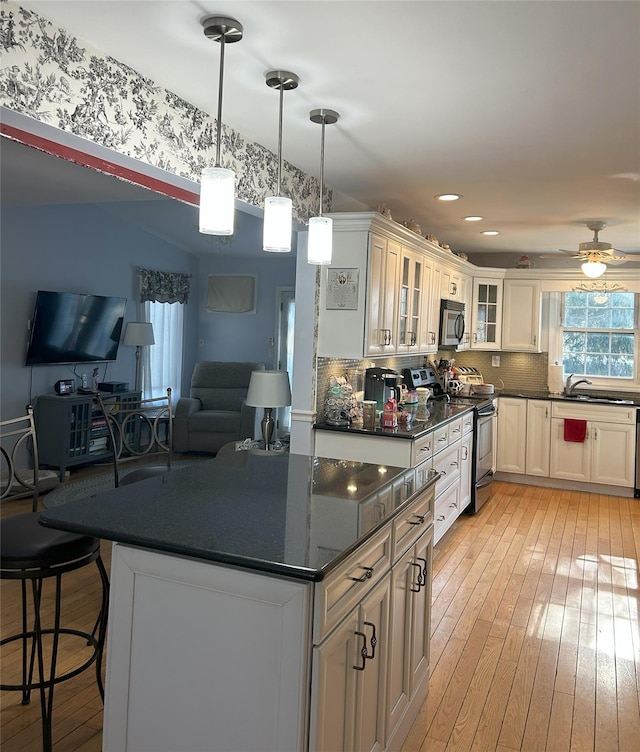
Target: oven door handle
[{"x": 485, "y": 480}]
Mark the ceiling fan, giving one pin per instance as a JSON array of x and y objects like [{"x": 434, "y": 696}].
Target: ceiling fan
[{"x": 595, "y": 250}]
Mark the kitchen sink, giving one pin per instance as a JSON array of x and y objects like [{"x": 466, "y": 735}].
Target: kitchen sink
[{"x": 602, "y": 400}]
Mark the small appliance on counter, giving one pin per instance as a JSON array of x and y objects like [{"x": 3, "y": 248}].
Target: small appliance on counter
[{"x": 380, "y": 384}]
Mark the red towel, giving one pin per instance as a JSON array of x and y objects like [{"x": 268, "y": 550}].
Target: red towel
[{"x": 575, "y": 430}]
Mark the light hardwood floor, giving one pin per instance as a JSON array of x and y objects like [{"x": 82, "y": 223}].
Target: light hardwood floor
[{"x": 535, "y": 634}]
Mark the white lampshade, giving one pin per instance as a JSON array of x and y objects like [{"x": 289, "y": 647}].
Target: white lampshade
[
  {"x": 217, "y": 201},
  {"x": 594, "y": 269},
  {"x": 320, "y": 244},
  {"x": 139, "y": 333},
  {"x": 278, "y": 212},
  {"x": 269, "y": 389}
]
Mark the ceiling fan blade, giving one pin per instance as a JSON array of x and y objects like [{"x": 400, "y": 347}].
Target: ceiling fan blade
[{"x": 572, "y": 253}]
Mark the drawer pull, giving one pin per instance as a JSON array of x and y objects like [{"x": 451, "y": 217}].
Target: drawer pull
[
  {"x": 420, "y": 520},
  {"x": 441, "y": 518},
  {"x": 420, "y": 582},
  {"x": 364, "y": 652},
  {"x": 454, "y": 463},
  {"x": 368, "y": 571},
  {"x": 455, "y": 430},
  {"x": 441, "y": 439},
  {"x": 424, "y": 568},
  {"x": 453, "y": 505},
  {"x": 425, "y": 448}
]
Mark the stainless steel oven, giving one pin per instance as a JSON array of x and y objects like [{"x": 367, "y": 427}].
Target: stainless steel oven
[{"x": 485, "y": 416}]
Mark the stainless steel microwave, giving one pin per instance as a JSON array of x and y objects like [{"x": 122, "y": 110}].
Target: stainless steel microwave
[{"x": 452, "y": 325}]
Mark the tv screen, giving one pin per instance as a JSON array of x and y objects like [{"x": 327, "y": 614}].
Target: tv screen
[{"x": 73, "y": 328}]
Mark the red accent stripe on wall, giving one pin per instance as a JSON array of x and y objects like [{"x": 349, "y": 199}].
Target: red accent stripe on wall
[{"x": 102, "y": 165}]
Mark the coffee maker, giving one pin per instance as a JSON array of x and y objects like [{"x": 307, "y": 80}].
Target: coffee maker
[{"x": 380, "y": 384}]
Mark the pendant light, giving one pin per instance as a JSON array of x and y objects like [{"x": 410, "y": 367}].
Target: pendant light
[
  {"x": 278, "y": 210},
  {"x": 218, "y": 184},
  {"x": 320, "y": 243}
]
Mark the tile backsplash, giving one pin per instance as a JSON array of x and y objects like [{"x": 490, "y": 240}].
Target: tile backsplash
[{"x": 516, "y": 372}]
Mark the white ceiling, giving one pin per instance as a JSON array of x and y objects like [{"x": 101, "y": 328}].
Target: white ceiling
[{"x": 529, "y": 109}]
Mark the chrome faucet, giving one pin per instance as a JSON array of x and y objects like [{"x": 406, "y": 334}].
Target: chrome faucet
[{"x": 569, "y": 387}]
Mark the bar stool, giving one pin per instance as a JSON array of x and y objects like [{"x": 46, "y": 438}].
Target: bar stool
[{"x": 32, "y": 553}]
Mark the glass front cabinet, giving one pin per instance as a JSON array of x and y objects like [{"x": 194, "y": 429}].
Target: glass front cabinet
[{"x": 486, "y": 314}]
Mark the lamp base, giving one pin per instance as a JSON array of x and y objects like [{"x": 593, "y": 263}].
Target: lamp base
[{"x": 267, "y": 424}]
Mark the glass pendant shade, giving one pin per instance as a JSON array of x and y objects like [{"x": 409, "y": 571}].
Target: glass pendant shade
[
  {"x": 217, "y": 201},
  {"x": 320, "y": 243},
  {"x": 593, "y": 269},
  {"x": 277, "y": 229}
]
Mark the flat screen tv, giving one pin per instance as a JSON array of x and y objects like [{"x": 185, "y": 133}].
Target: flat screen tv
[{"x": 74, "y": 328}]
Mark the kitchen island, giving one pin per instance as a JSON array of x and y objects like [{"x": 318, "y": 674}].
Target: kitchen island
[{"x": 265, "y": 603}]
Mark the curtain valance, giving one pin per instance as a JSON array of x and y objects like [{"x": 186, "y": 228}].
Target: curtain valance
[{"x": 163, "y": 287}]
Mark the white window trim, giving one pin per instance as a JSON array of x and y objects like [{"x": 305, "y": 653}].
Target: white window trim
[{"x": 556, "y": 329}]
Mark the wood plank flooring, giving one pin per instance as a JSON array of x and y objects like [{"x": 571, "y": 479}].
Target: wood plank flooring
[{"x": 535, "y": 634}]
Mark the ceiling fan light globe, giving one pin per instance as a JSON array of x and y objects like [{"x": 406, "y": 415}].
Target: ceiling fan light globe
[{"x": 593, "y": 269}]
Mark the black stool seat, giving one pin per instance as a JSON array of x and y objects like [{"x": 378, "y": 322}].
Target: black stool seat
[
  {"x": 32, "y": 553},
  {"x": 25, "y": 544}
]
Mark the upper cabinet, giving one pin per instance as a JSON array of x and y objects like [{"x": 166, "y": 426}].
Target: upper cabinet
[
  {"x": 521, "y": 303},
  {"x": 486, "y": 314},
  {"x": 381, "y": 294}
]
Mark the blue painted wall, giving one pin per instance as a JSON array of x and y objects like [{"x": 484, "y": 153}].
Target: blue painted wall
[{"x": 83, "y": 248}]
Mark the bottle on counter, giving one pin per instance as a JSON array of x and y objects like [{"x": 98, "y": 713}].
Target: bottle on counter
[{"x": 390, "y": 413}]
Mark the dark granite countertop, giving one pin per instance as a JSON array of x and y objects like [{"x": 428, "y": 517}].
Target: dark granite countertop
[
  {"x": 423, "y": 421},
  {"x": 611, "y": 398},
  {"x": 285, "y": 514}
]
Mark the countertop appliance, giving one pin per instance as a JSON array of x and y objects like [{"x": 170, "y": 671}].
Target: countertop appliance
[
  {"x": 452, "y": 325},
  {"x": 379, "y": 385}
]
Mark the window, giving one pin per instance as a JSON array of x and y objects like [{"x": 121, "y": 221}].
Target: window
[
  {"x": 599, "y": 335},
  {"x": 163, "y": 367}
]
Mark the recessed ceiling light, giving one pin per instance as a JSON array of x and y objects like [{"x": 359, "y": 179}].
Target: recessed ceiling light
[
  {"x": 448, "y": 196},
  {"x": 490, "y": 232},
  {"x": 472, "y": 219}
]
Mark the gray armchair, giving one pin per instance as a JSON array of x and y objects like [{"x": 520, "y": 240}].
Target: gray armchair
[{"x": 215, "y": 411}]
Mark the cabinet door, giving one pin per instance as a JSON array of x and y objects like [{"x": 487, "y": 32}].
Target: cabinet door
[
  {"x": 569, "y": 459},
  {"x": 612, "y": 453},
  {"x": 521, "y": 315},
  {"x": 409, "y": 628},
  {"x": 466, "y": 458},
  {"x": 512, "y": 436},
  {"x": 538, "y": 437},
  {"x": 428, "y": 332},
  {"x": 335, "y": 680},
  {"x": 486, "y": 314},
  {"x": 371, "y": 681},
  {"x": 410, "y": 306},
  {"x": 384, "y": 264}
]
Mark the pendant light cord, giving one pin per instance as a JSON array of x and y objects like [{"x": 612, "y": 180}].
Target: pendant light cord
[
  {"x": 324, "y": 123},
  {"x": 280, "y": 140},
  {"x": 219, "y": 122}
]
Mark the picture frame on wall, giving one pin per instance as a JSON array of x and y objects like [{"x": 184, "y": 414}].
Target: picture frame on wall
[{"x": 342, "y": 289}]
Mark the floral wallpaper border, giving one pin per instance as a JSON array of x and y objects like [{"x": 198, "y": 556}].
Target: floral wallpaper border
[{"x": 54, "y": 77}]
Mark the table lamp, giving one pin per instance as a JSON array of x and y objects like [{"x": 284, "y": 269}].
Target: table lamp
[
  {"x": 268, "y": 389},
  {"x": 138, "y": 333}
]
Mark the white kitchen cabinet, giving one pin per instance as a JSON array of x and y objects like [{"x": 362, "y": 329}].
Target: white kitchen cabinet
[
  {"x": 521, "y": 305},
  {"x": 486, "y": 314},
  {"x": 351, "y": 670},
  {"x": 205, "y": 680},
  {"x": 512, "y": 435},
  {"x": 538, "y": 437},
  {"x": 606, "y": 456},
  {"x": 466, "y": 465},
  {"x": 409, "y": 629},
  {"x": 430, "y": 325},
  {"x": 450, "y": 284},
  {"x": 382, "y": 296},
  {"x": 413, "y": 284}
]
